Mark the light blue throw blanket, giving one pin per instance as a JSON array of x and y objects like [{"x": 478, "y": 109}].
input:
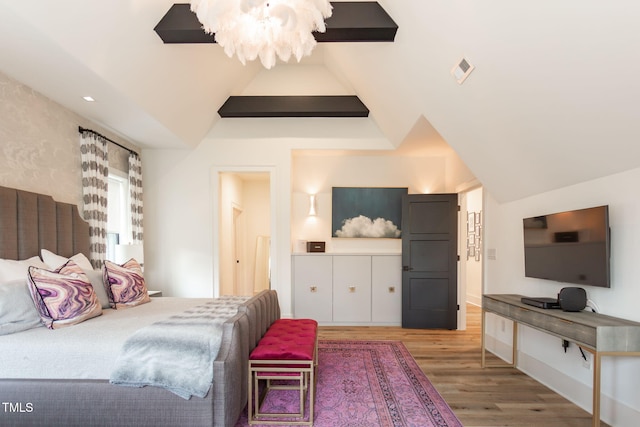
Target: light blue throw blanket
[{"x": 177, "y": 353}]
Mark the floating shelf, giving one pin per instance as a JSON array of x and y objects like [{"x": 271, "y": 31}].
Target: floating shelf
[
  {"x": 293, "y": 106},
  {"x": 350, "y": 22}
]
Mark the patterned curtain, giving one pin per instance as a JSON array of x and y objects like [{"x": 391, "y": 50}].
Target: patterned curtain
[
  {"x": 95, "y": 183},
  {"x": 135, "y": 189}
]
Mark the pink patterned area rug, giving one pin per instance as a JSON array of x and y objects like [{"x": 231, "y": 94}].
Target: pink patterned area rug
[{"x": 367, "y": 384}]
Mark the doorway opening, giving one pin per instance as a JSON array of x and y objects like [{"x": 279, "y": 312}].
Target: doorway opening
[
  {"x": 242, "y": 231},
  {"x": 471, "y": 244}
]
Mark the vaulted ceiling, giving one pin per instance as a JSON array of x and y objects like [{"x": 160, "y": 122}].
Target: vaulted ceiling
[{"x": 552, "y": 100}]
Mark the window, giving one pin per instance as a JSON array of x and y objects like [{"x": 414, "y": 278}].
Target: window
[{"x": 118, "y": 215}]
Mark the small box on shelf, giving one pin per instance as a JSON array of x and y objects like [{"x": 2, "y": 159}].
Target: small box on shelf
[{"x": 315, "y": 246}]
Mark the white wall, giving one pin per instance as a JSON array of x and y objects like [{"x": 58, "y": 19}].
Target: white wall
[
  {"x": 181, "y": 249},
  {"x": 317, "y": 174},
  {"x": 180, "y": 213},
  {"x": 541, "y": 355}
]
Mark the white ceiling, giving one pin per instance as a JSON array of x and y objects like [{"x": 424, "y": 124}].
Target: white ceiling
[{"x": 552, "y": 101}]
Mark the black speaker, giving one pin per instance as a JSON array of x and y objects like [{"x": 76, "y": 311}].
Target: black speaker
[{"x": 572, "y": 299}]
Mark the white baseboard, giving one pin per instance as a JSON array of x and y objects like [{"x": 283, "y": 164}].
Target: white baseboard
[
  {"x": 612, "y": 412},
  {"x": 474, "y": 300}
]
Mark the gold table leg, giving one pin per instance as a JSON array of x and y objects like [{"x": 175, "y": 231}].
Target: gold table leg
[{"x": 596, "y": 389}]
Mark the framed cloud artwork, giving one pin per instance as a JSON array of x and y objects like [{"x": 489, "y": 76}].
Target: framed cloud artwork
[{"x": 367, "y": 212}]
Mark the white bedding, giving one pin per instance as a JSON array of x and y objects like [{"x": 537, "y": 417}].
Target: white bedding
[{"x": 84, "y": 351}]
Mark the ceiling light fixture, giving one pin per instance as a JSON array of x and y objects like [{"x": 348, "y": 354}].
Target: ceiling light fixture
[
  {"x": 263, "y": 28},
  {"x": 88, "y": 99}
]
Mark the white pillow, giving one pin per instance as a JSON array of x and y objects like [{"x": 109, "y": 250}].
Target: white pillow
[
  {"x": 11, "y": 270},
  {"x": 56, "y": 261},
  {"x": 17, "y": 311}
]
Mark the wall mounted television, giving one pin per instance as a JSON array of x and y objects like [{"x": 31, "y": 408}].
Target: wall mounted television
[{"x": 569, "y": 247}]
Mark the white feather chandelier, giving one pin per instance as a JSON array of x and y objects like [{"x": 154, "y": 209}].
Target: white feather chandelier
[{"x": 263, "y": 28}]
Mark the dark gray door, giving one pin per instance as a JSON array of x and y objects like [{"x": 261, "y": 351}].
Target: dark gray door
[{"x": 430, "y": 261}]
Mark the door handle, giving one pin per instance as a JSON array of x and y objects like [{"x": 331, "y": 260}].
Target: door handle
[{"x": 406, "y": 268}]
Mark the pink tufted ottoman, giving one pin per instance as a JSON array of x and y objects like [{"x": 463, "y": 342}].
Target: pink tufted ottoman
[{"x": 287, "y": 351}]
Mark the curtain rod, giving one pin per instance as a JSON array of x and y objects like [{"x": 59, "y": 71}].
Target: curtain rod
[{"x": 82, "y": 130}]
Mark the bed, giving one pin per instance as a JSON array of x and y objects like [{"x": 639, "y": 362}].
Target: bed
[{"x": 70, "y": 386}]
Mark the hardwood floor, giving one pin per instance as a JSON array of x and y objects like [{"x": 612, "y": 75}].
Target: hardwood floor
[{"x": 479, "y": 397}]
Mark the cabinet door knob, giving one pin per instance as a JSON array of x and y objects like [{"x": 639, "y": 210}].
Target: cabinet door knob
[
  {"x": 313, "y": 289},
  {"x": 352, "y": 289},
  {"x": 392, "y": 289}
]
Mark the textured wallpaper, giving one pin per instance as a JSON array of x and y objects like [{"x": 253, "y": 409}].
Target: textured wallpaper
[{"x": 39, "y": 144}]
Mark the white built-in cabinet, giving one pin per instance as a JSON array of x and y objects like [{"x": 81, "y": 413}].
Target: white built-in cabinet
[
  {"x": 313, "y": 287},
  {"x": 386, "y": 289},
  {"x": 348, "y": 289}
]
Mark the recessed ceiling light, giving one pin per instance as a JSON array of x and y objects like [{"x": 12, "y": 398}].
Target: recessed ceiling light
[{"x": 88, "y": 98}]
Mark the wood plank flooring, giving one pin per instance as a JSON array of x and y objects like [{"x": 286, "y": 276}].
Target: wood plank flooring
[{"x": 479, "y": 397}]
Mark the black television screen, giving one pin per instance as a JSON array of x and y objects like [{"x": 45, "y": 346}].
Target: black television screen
[{"x": 570, "y": 247}]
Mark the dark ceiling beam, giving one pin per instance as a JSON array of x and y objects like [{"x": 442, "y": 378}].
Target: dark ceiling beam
[
  {"x": 293, "y": 106},
  {"x": 354, "y": 21},
  {"x": 180, "y": 25},
  {"x": 350, "y": 22}
]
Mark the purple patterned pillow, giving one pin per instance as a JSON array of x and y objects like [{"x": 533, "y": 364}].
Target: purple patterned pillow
[
  {"x": 125, "y": 284},
  {"x": 64, "y": 296}
]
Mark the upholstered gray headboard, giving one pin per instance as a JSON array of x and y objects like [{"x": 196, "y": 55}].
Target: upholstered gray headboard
[{"x": 30, "y": 222}]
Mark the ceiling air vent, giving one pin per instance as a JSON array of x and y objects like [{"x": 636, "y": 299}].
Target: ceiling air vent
[{"x": 462, "y": 70}]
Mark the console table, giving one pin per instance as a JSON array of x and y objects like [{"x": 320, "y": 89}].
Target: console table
[{"x": 599, "y": 334}]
